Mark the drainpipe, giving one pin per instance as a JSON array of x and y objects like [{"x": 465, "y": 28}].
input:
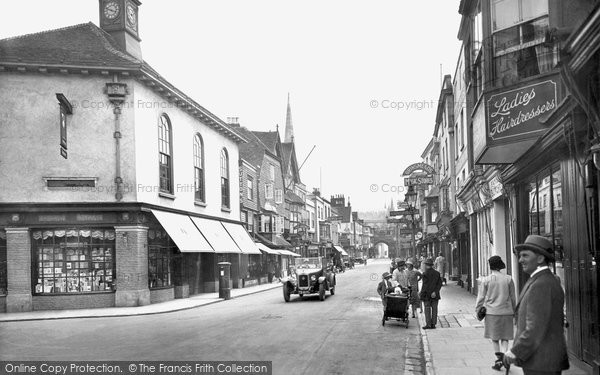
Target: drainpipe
[{"x": 116, "y": 93}]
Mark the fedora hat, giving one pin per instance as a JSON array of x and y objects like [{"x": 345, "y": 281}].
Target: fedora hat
[
  {"x": 539, "y": 245},
  {"x": 409, "y": 261},
  {"x": 429, "y": 261},
  {"x": 385, "y": 275}
]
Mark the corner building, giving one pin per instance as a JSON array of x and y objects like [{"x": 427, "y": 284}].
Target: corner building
[{"x": 117, "y": 189}]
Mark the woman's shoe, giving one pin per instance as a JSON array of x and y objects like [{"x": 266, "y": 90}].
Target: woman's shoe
[{"x": 499, "y": 359}]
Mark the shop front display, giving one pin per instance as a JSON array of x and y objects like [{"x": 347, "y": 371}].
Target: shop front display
[{"x": 73, "y": 261}]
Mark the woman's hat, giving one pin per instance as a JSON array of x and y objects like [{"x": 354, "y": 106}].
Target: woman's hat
[
  {"x": 386, "y": 275},
  {"x": 401, "y": 263},
  {"x": 409, "y": 261},
  {"x": 496, "y": 263},
  {"x": 429, "y": 261},
  {"x": 539, "y": 245}
]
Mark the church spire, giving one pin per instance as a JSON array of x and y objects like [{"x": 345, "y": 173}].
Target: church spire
[{"x": 289, "y": 127}]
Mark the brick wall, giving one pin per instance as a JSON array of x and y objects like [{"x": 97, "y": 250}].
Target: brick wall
[
  {"x": 162, "y": 295},
  {"x": 78, "y": 301},
  {"x": 18, "y": 267},
  {"x": 131, "y": 246}
]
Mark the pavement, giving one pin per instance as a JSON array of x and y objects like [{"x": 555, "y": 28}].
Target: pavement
[
  {"x": 155, "y": 308},
  {"x": 457, "y": 345}
]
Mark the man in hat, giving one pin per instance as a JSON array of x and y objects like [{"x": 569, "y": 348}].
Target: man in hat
[
  {"x": 430, "y": 293},
  {"x": 539, "y": 346},
  {"x": 385, "y": 287}
]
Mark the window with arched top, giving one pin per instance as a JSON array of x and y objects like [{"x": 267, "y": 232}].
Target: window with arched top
[
  {"x": 165, "y": 156},
  {"x": 224, "y": 179},
  {"x": 199, "y": 191}
]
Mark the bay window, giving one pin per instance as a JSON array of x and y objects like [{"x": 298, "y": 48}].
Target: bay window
[{"x": 519, "y": 28}]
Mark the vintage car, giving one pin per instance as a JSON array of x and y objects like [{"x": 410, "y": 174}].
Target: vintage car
[{"x": 309, "y": 276}]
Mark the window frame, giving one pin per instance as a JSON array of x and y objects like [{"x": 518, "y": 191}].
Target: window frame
[
  {"x": 165, "y": 151},
  {"x": 225, "y": 188},
  {"x": 250, "y": 188},
  {"x": 199, "y": 178},
  {"x": 165, "y": 248},
  {"x": 269, "y": 191},
  {"x": 56, "y": 252}
]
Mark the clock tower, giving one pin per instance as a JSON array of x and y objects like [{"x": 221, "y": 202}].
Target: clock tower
[{"x": 119, "y": 18}]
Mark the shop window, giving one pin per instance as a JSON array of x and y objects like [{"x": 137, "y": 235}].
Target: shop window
[
  {"x": 199, "y": 169},
  {"x": 3, "y": 256},
  {"x": 545, "y": 215},
  {"x": 165, "y": 158},
  {"x": 73, "y": 261},
  {"x": 161, "y": 253}
]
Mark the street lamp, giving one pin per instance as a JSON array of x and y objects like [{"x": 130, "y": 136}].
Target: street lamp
[{"x": 410, "y": 197}]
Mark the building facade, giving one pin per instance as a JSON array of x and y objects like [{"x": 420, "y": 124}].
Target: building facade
[{"x": 96, "y": 221}]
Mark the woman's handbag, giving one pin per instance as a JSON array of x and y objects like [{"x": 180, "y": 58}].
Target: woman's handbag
[{"x": 481, "y": 313}]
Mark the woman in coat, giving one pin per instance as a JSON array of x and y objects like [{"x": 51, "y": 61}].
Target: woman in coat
[
  {"x": 497, "y": 295},
  {"x": 413, "y": 276}
]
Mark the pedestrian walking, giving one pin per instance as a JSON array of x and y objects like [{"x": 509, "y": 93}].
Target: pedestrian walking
[
  {"x": 539, "y": 346},
  {"x": 399, "y": 275},
  {"x": 430, "y": 294},
  {"x": 413, "y": 276},
  {"x": 441, "y": 265},
  {"x": 497, "y": 296},
  {"x": 385, "y": 287}
]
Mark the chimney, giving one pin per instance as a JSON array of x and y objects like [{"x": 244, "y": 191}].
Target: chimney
[{"x": 233, "y": 121}]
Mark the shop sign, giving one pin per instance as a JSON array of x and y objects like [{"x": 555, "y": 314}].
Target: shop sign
[
  {"x": 511, "y": 121},
  {"x": 495, "y": 187},
  {"x": 418, "y": 180},
  {"x": 515, "y": 114},
  {"x": 419, "y": 167},
  {"x": 52, "y": 218}
]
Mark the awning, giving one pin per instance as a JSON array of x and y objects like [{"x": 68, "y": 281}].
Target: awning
[
  {"x": 216, "y": 235},
  {"x": 241, "y": 238},
  {"x": 266, "y": 249},
  {"x": 287, "y": 252},
  {"x": 281, "y": 242},
  {"x": 341, "y": 250},
  {"x": 183, "y": 232}
]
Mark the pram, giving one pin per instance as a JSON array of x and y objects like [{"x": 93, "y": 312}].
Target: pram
[{"x": 397, "y": 307}]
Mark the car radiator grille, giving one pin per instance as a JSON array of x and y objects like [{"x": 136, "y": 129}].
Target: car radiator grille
[{"x": 303, "y": 280}]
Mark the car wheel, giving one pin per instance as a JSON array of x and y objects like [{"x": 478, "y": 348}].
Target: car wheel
[
  {"x": 322, "y": 292},
  {"x": 286, "y": 293}
]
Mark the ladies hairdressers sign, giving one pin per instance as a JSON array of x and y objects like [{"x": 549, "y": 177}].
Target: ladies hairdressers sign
[{"x": 515, "y": 114}]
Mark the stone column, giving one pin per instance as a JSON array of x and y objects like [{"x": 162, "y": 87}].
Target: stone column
[
  {"x": 131, "y": 248},
  {"x": 18, "y": 267}
]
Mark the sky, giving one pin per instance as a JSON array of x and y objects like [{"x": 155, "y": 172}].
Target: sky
[{"x": 363, "y": 76}]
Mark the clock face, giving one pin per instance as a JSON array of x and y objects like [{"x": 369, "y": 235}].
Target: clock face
[
  {"x": 131, "y": 17},
  {"x": 111, "y": 10}
]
